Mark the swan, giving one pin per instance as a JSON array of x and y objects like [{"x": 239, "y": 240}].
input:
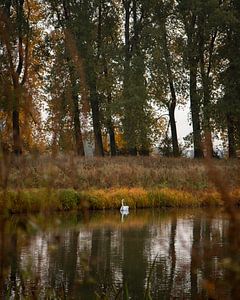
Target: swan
[{"x": 124, "y": 208}]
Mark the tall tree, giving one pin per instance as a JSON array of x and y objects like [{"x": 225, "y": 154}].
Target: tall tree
[
  {"x": 81, "y": 42},
  {"x": 21, "y": 72},
  {"x": 134, "y": 97},
  {"x": 73, "y": 79},
  {"x": 208, "y": 34},
  {"x": 108, "y": 65},
  {"x": 162, "y": 69},
  {"x": 17, "y": 61},
  {"x": 189, "y": 14},
  {"x": 230, "y": 102}
]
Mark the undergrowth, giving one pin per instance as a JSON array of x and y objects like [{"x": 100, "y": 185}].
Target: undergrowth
[{"x": 36, "y": 200}]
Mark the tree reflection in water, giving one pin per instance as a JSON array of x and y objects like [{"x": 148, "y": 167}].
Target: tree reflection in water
[{"x": 64, "y": 257}]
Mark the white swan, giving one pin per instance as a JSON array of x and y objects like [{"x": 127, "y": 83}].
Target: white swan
[{"x": 124, "y": 208}]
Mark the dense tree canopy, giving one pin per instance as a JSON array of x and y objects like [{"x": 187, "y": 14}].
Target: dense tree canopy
[{"x": 98, "y": 72}]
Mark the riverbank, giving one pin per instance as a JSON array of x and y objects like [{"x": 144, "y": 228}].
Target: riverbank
[
  {"x": 45, "y": 200},
  {"x": 69, "y": 183}
]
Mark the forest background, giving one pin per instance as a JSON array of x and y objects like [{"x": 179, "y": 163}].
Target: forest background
[{"x": 103, "y": 70}]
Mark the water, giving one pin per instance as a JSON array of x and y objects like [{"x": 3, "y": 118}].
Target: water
[{"x": 166, "y": 254}]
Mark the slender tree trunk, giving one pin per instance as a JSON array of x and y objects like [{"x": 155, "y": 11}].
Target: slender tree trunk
[
  {"x": 17, "y": 147},
  {"x": 193, "y": 59},
  {"x": 173, "y": 131},
  {"x": 195, "y": 111},
  {"x": 112, "y": 139},
  {"x": 76, "y": 115},
  {"x": 144, "y": 151},
  {"x": 77, "y": 127},
  {"x": 205, "y": 69},
  {"x": 231, "y": 137},
  {"x": 96, "y": 119},
  {"x": 172, "y": 104},
  {"x": 208, "y": 144},
  {"x": 74, "y": 92},
  {"x": 110, "y": 127},
  {"x": 132, "y": 150}
]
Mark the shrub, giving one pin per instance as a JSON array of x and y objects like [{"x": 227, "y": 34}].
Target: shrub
[{"x": 69, "y": 199}]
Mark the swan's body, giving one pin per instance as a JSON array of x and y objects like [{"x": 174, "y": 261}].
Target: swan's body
[{"x": 124, "y": 208}]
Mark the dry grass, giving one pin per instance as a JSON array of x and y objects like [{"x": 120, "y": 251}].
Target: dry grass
[
  {"x": 105, "y": 173},
  {"x": 68, "y": 183}
]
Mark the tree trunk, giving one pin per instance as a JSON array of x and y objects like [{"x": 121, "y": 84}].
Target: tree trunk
[
  {"x": 112, "y": 139},
  {"x": 76, "y": 116},
  {"x": 96, "y": 120},
  {"x": 77, "y": 128},
  {"x": 195, "y": 111},
  {"x": 231, "y": 138},
  {"x": 143, "y": 151},
  {"x": 173, "y": 131},
  {"x": 193, "y": 59},
  {"x": 205, "y": 69},
  {"x": 128, "y": 132},
  {"x": 172, "y": 104},
  {"x": 132, "y": 151},
  {"x": 17, "y": 147},
  {"x": 74, "y": 93},
  {"x": 110, "y": 127},
  {"x": 208, "y": 144}
]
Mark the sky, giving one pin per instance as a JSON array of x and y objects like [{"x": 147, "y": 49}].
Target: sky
[{"x": 183, "y": 121}]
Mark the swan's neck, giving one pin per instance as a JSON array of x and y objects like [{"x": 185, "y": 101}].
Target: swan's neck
[{"x": 122, "y": 203}]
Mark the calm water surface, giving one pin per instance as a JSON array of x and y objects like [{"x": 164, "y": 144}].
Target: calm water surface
[{"x": 166, "y": 254}]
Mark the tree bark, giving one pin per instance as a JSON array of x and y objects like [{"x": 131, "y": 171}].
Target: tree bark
[
  {"x": 112, "y": 139},
  {"x": 131, "y": 149},
  {"x": 110, "y": 127},
  {"x": 195, "y": 111},
  {"x": 74, "y": 93},
  {"x": 193, "y": 59},
  {"x": 172, "y": 104},
  {"x": 205, "y": 69},
  {"x": 77, "y": 124},
  {"x": 17, "y": 145},
  {"x": 94, "y": 101},
  {"x": 173, "y": 127},
  {"x": 17, "y": 148},
  {"x": 14, "y": 70},
  {"x": 231, "y": 137}
]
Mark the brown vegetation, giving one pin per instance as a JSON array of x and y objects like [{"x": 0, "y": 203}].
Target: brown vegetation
[
  {"x": 68, "y": 183},
  {"x": 105, "y": 173}
]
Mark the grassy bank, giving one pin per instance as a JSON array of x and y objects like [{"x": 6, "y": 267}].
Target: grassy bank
[
  {"x": 119, "y": 172},
  {"x": 68, "y": 183},
  {"x": 37, "y": 200}
]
